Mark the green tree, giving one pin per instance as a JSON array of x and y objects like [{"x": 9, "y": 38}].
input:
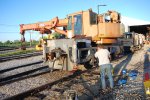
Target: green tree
[
  {"x": 44, "y": 37},
  {"x": 1, "y": 42},
  {"x": 16, "y": 42},
  {"x": 35, "y": 41},
  {"x": 8, "y": 42},
  {"x": 57, "y": 35}
]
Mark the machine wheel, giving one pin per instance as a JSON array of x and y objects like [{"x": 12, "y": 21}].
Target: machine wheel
[
  {"x": 87, "y": 65},
  {"x": 58, "y": 64}
]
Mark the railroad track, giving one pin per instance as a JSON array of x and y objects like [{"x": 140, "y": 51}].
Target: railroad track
[
  {"x": 7, "y": 48},
  {"x": 23, "y": 75},
  {"x": 65, "y": 82},
  {"x": 20, "y": 66},
  {"x": 4, "y": 48},
  {"x": 6, "y": 51},
  {"x": 7, "y": 58},
  {"x": 48, "y": 85},
  {"x": 68, "y": 77}
]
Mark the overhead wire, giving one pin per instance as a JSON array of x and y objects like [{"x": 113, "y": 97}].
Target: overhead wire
[
  {"x": 9, "y": 32},
  {"x": 9, "y": 25}
]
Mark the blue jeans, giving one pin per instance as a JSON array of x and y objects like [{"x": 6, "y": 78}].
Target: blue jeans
[{"x": 106, "y": 70}]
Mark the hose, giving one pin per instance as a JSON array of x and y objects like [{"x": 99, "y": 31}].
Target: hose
[{"x": 70, "y": 55}]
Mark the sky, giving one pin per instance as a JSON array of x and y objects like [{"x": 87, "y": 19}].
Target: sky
[{"x": 15, "y": 12}]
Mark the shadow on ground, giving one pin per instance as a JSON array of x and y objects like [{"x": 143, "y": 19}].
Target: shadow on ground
[{"x": 122, "y": 65}]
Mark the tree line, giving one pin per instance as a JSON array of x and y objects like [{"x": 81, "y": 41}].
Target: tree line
[{"x": 17, "y": 43}]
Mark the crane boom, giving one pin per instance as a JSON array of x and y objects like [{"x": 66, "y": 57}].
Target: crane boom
[{"x": 45, "y": 27}]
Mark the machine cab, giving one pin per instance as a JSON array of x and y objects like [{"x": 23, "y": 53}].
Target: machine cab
[
  {"x": 90, "y": 24},
  {"x": 77, "y": 26},
  {"x": 74, "y": 25}
]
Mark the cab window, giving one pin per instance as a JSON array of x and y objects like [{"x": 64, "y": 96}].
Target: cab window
[
  {"x": 69, "y": 27},
  {"x": 77, "y": 24},
  {"x": 93, "y": 18}
]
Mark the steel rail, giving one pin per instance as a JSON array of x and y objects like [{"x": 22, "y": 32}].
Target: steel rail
[
  {"x": 7, "y": 58},
  {"x": 22, "y": 95},
  {"x": 23, "y": 75},
  {"x": 20, "y": 66}
]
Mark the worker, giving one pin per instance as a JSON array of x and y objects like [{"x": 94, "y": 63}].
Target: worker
[{"x": 103, "y": 56}]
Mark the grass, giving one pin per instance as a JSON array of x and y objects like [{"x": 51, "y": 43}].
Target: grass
[{"x": 18, "y": 52}]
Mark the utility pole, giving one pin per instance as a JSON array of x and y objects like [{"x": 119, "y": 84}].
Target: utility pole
[
  {"x": 30, "y": 38},
  {"x": 42, "y": 36},
  {"x": 98, "y": 7}
]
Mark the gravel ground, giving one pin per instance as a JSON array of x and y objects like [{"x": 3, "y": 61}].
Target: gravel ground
[
  {"x": 27, "y": 84},
  {"x": 20, "y": 70},
  {"x": 85, "y": 87},
  {"x": 87, "y": 90},
  {"x": 17, "y": 62},
  {"x": 14, "y": 63}
]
